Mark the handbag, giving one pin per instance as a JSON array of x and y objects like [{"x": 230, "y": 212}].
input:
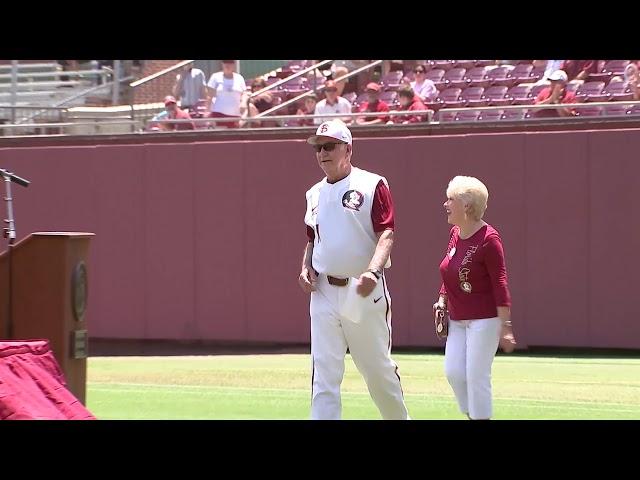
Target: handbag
[{"x": 441, "y": 318}]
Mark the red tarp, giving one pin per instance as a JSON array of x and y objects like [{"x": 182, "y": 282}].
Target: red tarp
[{"x": 32, "y": 386}]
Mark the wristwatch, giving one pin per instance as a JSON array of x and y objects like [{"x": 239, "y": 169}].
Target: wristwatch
[{"x": 377, "y": 273}]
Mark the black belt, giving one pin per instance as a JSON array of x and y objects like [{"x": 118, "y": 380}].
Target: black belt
[{"x": 338, "y": 282}]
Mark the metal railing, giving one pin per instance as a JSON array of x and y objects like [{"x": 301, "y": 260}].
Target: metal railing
[
  {"x": 29, "y": 128},
  {"x": 135, "y": 126},
  {"x": 572, "y": 106},
  {"x": 58, "y": 73},
  {"x": 290, "y": 77},
  {"x": 153, "y": 76},
  {"x": 319, "y": 88},
  {"x": 106, "y": 86},
  {"x": 413, "y": 113},
  {"x": 50, "y": 113},
  {"x": 30, "y": 66},
  {"x": 429, "y": 114}
]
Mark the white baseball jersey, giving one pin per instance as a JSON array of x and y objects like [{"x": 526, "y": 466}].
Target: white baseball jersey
[{"x": 340, "y": 216}]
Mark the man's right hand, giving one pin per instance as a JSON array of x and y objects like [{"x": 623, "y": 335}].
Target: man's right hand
[{"x": 307, "y": 280}]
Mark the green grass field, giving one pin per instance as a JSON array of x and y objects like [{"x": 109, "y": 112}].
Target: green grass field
[{"x": 278, "y": 387}]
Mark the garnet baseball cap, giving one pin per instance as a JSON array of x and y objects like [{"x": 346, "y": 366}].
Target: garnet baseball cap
[
  {"x": 169, "y": 99},
  {"x": 373, "y": 86},
  {"x": 333, "y": 129}
]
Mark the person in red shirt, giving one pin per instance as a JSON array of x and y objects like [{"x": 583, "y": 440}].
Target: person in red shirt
[
  {"x": 175, "y": 112},
  {"x": 308, "y": 108},
  {"x": 556, "y": 93},
  {"x": 476, "y": 294},
  {"x": 411, "y": 102},
  {"x": 373, "y": 105}
]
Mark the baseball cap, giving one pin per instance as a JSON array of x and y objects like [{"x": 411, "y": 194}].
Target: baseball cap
[
  {"x": 373, "y": 86},
  {"x": 559, "y": 75},
  {"x": 169, "y": 99},
  {"x": 333, "y": 129}
]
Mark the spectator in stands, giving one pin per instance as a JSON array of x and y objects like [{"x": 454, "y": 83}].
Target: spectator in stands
[
  {"x": 172, "y": 111},
  {"x": 337, "y": 72},
  {"x": 373, "y": 105},
  {"x": 308, "y": 108},
  {"x": 411, "y": 102},
  {"x": 556, "y": 93},
  {"x": 551, "y": 66},
  {"x": 337, "y": 69},
  {"x": 228, "y": 92},
  {"x": 580, "y": 69},
  {"x": 68, "y": 66},
  {"x": 422, "y": 86},
  {"x": 260, "y": 103},
  {"x": 632, "y": 77},
  {"x": 190, "y": 87},
  {"x": 333, "y": 103}
]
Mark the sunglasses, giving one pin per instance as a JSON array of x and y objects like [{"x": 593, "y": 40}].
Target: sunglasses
[
  {"x": 418, "y": 71},
  {"x": 328, "y": 147}
]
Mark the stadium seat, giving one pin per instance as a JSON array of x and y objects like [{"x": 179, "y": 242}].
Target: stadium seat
[
  {"x": 435, "y": 75},
  {"x": 472, "y": 97},
  {"x": 467, "y": 116},
  {"x": 585, "y": 91},
  {"x": 477, "y": 77},
  {"x": 490, "y": 115},
  {"x": 519, "y": 74},
  {"x": 350, "y": 97},
  {"x": 498, "y": 75},
  {"x": 615, "y": 110},
  {"x": 464, "y": 63},
  {"x": 450, "y": 97},
  {"x": 496, "y": 95},
  {"x": 445, "y": 116},
  {"x": 454, "y": 78},
  {"x": 588, "y": 111},
  {"x": 441, "y": 64},
  {"x": 609, "y": 70},
  {"x": 519, "y": 94},
  {"x": 513, "y": 114},
  {"x": 390, "y": 98},
  {"x": 536, "y": 74},
  {"x": 615, "y": 91},
  {"x": 392, "y": 80}
]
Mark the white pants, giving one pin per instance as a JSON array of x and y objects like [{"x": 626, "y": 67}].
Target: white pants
[
  {"x": 469, "y": 353},
  {"x": 341, "y": 319}
]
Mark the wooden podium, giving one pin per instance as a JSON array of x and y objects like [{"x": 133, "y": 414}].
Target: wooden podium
[{"x": 49, "y": 298}]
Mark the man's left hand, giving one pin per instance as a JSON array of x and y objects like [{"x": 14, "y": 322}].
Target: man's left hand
[{"x": 366, "y": 283}]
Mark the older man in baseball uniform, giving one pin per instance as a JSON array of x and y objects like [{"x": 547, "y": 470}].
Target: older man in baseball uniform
[{"x": 350, "y": 225}]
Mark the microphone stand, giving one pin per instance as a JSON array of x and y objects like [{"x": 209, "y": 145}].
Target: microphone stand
[{"x": 10, "y": 232}]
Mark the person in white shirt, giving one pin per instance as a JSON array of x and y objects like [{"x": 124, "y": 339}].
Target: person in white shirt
[
  {"x": 333, "y": 103},
  {"x": 350, "y": 229},
  {"x": 422, "y": 86},
  {"x": 228, "y": 92}
]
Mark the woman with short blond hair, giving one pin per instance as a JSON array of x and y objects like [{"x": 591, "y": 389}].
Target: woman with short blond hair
[{"x": 476, "y": 295}]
